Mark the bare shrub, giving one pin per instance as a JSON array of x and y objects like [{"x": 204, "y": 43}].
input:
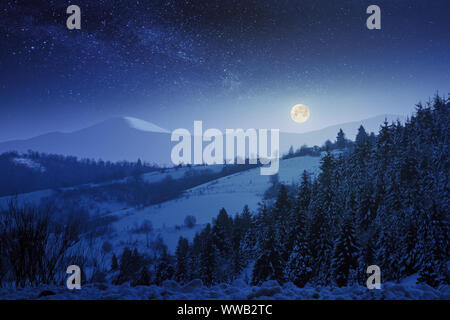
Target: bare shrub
[
  {"x": 33, "y": 244},
  {"x": 190, "y": 221},
  {"x": 145, "y": 227}
]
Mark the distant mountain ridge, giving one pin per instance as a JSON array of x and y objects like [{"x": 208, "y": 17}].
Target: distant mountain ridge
[
  {"x": 128, "y": 138},
  {"x": 115, "y": 139},
  {"x": 318, "y": 137}
]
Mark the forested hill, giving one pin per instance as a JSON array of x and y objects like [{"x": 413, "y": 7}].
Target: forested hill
[
  {"x": 32, "y": 171},
  {"x": 384, "y": 202},
  {"x": 381, "y": 200}
]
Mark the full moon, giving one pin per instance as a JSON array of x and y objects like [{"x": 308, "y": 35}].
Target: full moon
[{"x": 300, "y": 113}]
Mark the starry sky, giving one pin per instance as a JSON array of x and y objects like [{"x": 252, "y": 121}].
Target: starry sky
[{"x": 230, "y": 63}]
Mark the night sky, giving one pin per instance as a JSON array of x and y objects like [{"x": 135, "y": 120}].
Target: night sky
[{"x": 230, "y": 63}]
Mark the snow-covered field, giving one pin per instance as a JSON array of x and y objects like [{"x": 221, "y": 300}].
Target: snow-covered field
[
  {"x": 238, "y": 290},
  {"x": 31, "y": 197},
  {"x": 153, "y": 177},
  {"x": 205, "y": 201}
]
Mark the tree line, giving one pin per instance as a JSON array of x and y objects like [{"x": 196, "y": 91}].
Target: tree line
[
  {"x": 26, "y": 172},
  {"x": 383, "y": 200}
]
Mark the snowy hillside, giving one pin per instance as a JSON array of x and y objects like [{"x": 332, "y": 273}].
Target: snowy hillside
[
  {"x": 175, "y": 173},
  {"x": 315, "y": 238},
  {"x": 204, "y": 202},
  {"x": 144, "y": 125}
]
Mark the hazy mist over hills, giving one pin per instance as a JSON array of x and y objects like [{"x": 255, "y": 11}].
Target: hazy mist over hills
[{"x": 126, "y": 138}]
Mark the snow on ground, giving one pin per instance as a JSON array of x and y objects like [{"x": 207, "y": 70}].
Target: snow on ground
[
  {"x": 35, "y": 197},
  {"x": 144, "y": 125},
  {"x": 29, "y": 163},
  {"x": 238, "y": 290},
  {"x": 205, "y": 201},
  {"x": 178, "y": 173},
  {"x": 32, "y": 197},
  {"x": 171, "y": 235},
  {"x": 232, "y": 192}
]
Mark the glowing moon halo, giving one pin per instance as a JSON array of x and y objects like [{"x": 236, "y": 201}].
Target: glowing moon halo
[{"x": 300, "y": 113}]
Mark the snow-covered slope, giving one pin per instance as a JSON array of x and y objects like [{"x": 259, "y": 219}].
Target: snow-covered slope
[
  {"x": 179, "y": 172},
  {"x": 144, "y": 125},
  {"x": 174, "y": 173},
  {"x": 204, "y": 202}
]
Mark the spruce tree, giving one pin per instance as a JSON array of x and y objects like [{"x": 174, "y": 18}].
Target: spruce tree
[
  {"x": 323, "y": 219},
  {"x": 208, "y": 257},
  {"x": 164, "y": 269},
  {"x": 181, "y": 253},
  {"x": 299, "y": 265},
  {"x": 269, "y": 265},
  {"x": 241, "y": 225},
  {"x": 300, "y": 209},
  {"x": 298, "y": 269},
  {"x": 284, "y": 222},
  {"x": 143, "y": 278},
  {"x": 114, "y": 263},
  {"x": 341, "y": 142},
  {"x": 221, "y": 230},
  {"x": 345, "y": 255}
]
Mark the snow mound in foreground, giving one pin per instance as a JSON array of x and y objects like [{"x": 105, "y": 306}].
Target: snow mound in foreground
[{"x": 238, "y": 290}]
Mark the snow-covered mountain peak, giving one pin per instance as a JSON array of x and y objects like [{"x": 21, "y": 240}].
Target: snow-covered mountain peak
[{"x": 143, "y": 125}]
